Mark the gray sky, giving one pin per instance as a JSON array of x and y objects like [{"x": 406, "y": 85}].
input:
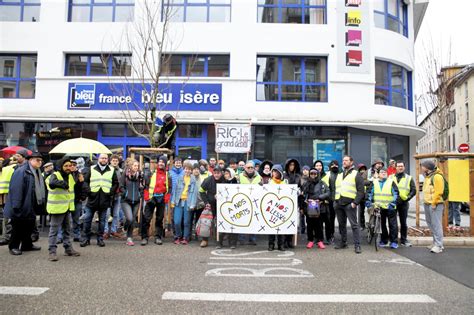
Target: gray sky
[{"x": 446, "y": 23}]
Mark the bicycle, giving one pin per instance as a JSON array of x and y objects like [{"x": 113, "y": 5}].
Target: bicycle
[{"x": 374, "y": 225}]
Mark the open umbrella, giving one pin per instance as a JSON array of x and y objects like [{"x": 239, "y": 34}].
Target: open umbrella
[
  {"x": 80, "y": 145},
  {"x": 14, "y": 149}
]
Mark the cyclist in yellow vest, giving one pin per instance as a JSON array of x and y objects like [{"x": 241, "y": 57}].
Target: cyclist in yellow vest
[
  {"x": 433, "y": 188},
  {"x": 407, "y": 190},
  {"x": 60, "y": 204},
  {"x": 349, "y": 194},
  {"x": 103, "y": 183},
  {"x": 384, "y": 194},
  {"x": 159, "y": 191}
]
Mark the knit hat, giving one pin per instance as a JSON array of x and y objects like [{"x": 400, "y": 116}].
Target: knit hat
[
  {"x": 306, "y": 168},
  {"x": 163, "y": 158},
  {"x": 429, "y": 165},
  {"x": 361, "y": 165}
]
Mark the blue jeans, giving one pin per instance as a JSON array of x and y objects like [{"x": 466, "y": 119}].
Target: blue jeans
[
  {"x": 454, "y": 211},
  {"x": 88, "y": 216},
  {"x": 115, "y": 216},
  {"x": 181, "y": 213}
]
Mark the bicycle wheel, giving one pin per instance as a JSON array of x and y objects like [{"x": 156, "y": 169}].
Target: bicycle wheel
[
  {"x": 370, "y": 230},
  {"x": 377, "y": 231}
]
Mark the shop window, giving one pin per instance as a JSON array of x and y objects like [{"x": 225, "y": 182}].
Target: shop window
[
  {"x": 205, "y": 11},
  {"x": 292, "y": 11},
  {"x": 379, "y": 148},
  {"x": 101, "y": 10},
  {"x": 18, "y": 78},
  {"x": 299, "y": 79},
  {"x": 391, "y": 15},
  {"x": 20, "y": 10},
  {"x": 98, "y": 65},
  {"x": 392, "y": 85},
  {"x": 195, "y": 65}
]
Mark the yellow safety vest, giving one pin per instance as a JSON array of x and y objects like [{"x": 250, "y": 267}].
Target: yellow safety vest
[
  {"x": 246, "y": 181},
  {"x": 151, "y": 189},
  {"x": 325, "y": 179},
  {"x": 384, "y": 196},
  {"x": 346, "y": 187},
  {"x": 403, "y": 186},
  {"x": 5, "y": 178},
  {"x": 60, "y": 200},
  {"x": 101, "y": 181}
]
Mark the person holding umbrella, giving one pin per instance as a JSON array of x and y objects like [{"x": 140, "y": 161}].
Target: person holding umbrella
[{"x": 103, "y": 183}]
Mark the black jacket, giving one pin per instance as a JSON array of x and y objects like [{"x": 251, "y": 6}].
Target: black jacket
[
  {"x": 293, "y": 177},
  {"x": 332, "y": 183},
  {"x": 208, "y": 191},
  {"x": 316, "y": 190},
  {"x": 101, "y": 200},
  {"x": 131, "y": 188},
  {"x": 359, "y": 187}
]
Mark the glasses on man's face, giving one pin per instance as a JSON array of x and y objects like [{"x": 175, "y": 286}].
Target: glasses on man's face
[{"x": 250, "y": 167}]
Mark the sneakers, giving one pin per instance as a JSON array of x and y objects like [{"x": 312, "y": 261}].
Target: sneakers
[
  {"x": 341, "y": 246},
  {"x": 85, "y": 243},
  {"x": 310, "y": 245},
  {"x": 177, "y": 241},
  {"x": 357, "y": 249},
  {"x": 271, "y": 247},
  {"x": 393, "y": 245},
  {"x": 321, "y": 245},
  {"x": 100, "y": 243},
  {"x": 184, "y": 242},
  {"x": 144, "y": 242},
  {"x": 158, "y": 241},
  {"x": 407, "y": 244},
  {"x": 382, "y": 244},
  {"x": 130, "y": 242},
  {"x": 436, "y": 249},
  {"x": 203, "y": 243},
  {"x": 71, "y": 252},
  {"x": 53, "y": 257},
  {"x": 281, "y": 248}
]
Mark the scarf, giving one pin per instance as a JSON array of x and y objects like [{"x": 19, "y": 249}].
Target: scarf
[
  {"x": 40, "y": 191},
  {"x": 277, "y": 181}
]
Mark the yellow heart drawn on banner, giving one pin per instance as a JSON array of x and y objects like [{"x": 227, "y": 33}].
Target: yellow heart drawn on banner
[
  {"x": 238, "y": 211},
  {"x": 276, "y": 210}
]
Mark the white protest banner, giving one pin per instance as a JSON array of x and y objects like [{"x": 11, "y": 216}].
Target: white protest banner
[
  {"x": 233, "y": 138},
  {"x": 255, "y": 209}
]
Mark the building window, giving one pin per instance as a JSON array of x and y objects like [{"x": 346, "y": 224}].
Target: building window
[
  {"x": 20, "y": 10},
  {"x": 292, "y": 11},
  {"x": 101, "y": 10},
  {"x": 391, "y": 15},
  {"x": 299, "y": 79},
  {"x": 467, "y": 112},
  {"x": 18, "y": 77},
  {"x": 98, "y": 65},
  {"x": 196, "y": 11},
  {"x": 392, "y": 85},
  {"x": 466, "y": 94},
  {"x": 195, "y": 65}
]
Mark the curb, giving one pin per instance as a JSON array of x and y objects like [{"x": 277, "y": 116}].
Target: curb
[{"x": 447, "y": 241}]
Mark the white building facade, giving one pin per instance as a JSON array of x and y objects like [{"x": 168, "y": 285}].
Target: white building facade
[{"x": 316, "y": 79}]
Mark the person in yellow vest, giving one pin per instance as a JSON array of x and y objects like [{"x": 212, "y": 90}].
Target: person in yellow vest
[
  {"x": 384, "y": 194},
  {"x": 158, "y": 192},
  {"x": 433, "y": 188},
  {"x": 349, "y": 193},
  {"x": 103, "y": 183},
  {"x": 407, "y": 190},
  {"x": 60, "y": 204},
  {"x": 249, "y": 177}
]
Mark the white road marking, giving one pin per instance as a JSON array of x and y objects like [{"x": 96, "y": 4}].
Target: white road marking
[
  {"x": 231, "y": 253},
  {"x": 264, "y": 273},
  {"x": 398, "y": 261},
  {"x": 299, "y": 298},
  {"x": 22, "y": 290},
  {"x": 236, "y": 261}
]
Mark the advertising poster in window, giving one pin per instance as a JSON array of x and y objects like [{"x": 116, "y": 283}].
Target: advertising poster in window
[
  {"x": 328, "y": 150},
  {"x": 233, "y": 138},
  {"x": 353, "y": 36}
]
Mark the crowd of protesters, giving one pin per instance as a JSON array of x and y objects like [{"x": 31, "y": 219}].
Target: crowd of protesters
[{"x": 118, "y": 193}]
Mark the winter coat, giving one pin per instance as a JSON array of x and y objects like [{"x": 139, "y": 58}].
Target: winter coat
[
  {"x": 175, "y": 173},
  {"x": 293, "y": 177},
  {"x": 101, "y": 200},
  {"x": 317, "y": 190},
  {"x": 193, "y": 191},
  {"x": 208, "y": 191},
  {"x": 131, "y": 188},
  {"x": 21, "y": 200},
  {"x": 80, "y": 192}
]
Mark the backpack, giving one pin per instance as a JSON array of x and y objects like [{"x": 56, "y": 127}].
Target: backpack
[
  {"x": 204, "y": 224},
  {"x": 446, "y": 187}
]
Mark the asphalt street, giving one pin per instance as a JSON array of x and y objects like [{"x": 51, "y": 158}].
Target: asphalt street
[{"x": 158, "y": 279}]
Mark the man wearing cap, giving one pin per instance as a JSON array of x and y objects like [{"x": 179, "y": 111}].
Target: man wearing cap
[
  {"x": 26, "y": 196},
  {"x": 407, "y": 190},
  {"x": 48, "y": 169},
  {"x": 103, "y": 183},
  {"x": 158, "y": 191},
  {"x": 17, "y": 160},
  {"x": 61, "y": 187},
  {"x": 349, "y": 193},
  {"x": 433, "y": 188},
  {"x": 249, "y": 177}
]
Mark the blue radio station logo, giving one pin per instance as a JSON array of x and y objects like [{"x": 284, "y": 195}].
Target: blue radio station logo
[{"x": 82, "y": 96}]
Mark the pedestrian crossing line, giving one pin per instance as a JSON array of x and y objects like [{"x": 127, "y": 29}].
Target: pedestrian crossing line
[
  {"x": 299, "y": 298},
  {"x": 22, "y": 290}
]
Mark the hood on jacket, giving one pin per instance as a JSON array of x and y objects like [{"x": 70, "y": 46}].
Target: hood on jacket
[
  {"x": 378, "y": 161},
  {"x": 297, "y": 166},
  {"x": 278, "y": 168},
  {"x": 262, "y": 166}
]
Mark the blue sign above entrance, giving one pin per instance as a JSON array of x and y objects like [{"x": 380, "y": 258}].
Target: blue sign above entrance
[{"x": 134, "y": 96}]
